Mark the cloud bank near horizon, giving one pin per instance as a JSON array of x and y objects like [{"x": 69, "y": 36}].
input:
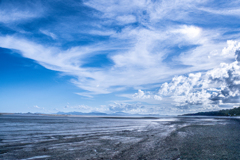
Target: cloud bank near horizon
[{"x": 207, "y": 90}]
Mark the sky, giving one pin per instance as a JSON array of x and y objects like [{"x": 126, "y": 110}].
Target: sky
[{"x": 140, "y": 57}]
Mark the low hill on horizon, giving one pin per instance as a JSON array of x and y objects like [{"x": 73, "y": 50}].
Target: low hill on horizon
[{"x": 224, "y": 112}]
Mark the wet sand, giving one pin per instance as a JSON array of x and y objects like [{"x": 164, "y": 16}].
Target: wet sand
[{"x": 165, "y": 138}]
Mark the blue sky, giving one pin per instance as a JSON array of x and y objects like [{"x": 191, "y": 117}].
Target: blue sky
[{"x": 139, "y": 56}]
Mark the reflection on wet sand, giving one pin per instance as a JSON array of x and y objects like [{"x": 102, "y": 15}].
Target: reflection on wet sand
[{"x": 48, "y": 137}]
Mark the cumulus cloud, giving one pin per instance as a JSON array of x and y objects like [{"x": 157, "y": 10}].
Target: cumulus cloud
[
  {"x": 142, "y": 95},
  {"x": 233, "y": 47},
  {"x": 127, "y": 108},
  {"x": 136, "y": 108},
  {"x": 215, "y": 87}
]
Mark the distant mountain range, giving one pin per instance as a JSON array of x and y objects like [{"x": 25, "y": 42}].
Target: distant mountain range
[
  {"x": 116, "y": 114},
  {"x": 225, "y": 112},
  {"x": 81, "y": 113},
  {"x": 105, "y": 114}
]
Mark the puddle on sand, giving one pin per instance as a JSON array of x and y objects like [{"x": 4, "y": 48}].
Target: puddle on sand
[
  {"x": 122, "y": 139},
  {"x": 37, "y": 157},
  {"x": 166, "y": 119}
]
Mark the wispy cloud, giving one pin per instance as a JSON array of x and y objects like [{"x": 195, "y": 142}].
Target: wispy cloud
[
  {"x": 24, "y": 11},
  {"x": 141, "y": 44},
  {"x": 47, "y": 33}
]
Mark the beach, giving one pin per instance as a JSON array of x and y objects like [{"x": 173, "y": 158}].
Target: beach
[{"x": 135, "y": 138}]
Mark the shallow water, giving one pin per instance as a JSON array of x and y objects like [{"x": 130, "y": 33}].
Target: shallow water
[
  {"x": 54, "y": 137},
  {"x": 29, "y": 129},
  {"x": 23, "y": 132}
]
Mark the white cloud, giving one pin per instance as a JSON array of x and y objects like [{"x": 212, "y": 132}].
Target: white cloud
[
  {"x": 219, "y": 86},
  {"x": 126, "y": 19},
  {"x": 156, "y": 97},
  {"x": 141, "y": 53},
  {"x": 130, "y": 108},
  {"x": 142, "y": 95},
  {"x": 229, "y": 11},
  {"x": 14, "y": 16},
  {"x": 191, "y": 32},
  {"x": 116, "y": 107},
  {"x": 231, "y": 48},
  {"x": 18, "y": 12},
  {"x": 50, "y": 34},
  {"x": 146, "y": 10},
  {"x": 140, "y": 65}
]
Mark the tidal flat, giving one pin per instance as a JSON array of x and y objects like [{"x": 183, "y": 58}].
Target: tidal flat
[{"x": 111, "y": 138}]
